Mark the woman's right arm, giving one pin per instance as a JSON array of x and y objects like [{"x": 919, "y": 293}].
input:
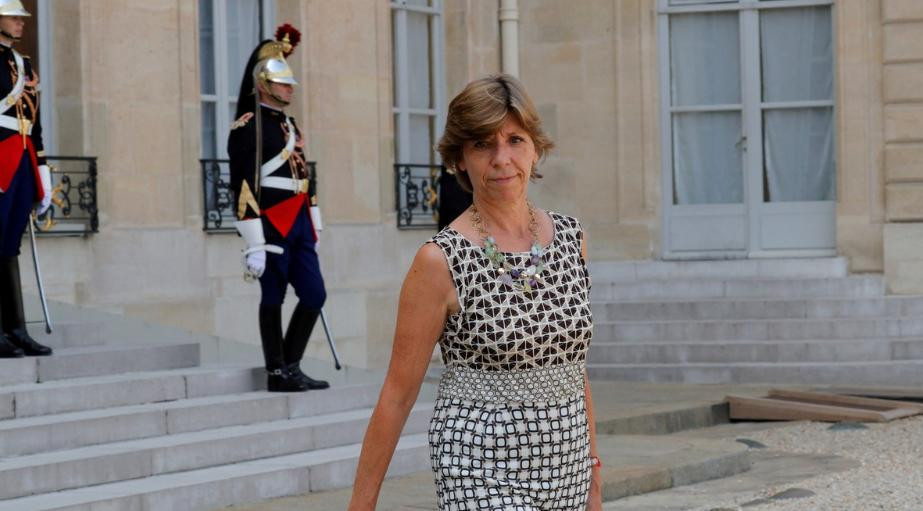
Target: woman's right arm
[{"x": 427, "y": 296}]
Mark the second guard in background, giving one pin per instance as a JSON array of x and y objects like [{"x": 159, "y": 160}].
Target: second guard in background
[
  {"x": 277, "y": 210},
  {"x": 25, "y": 179}
]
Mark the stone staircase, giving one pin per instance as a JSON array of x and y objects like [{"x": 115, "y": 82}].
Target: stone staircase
[
  {"x": 756, "y": 321},
  {"x": 107, "y": 426}
]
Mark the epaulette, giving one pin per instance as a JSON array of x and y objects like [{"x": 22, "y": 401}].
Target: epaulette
[{"x": 244, "y": 119}]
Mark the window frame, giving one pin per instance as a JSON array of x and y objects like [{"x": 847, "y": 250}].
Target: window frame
[
  {"x": 401, "y": 110},
  {"x": 752, "y": 108},
  {"x": 45, "y": 22},
  {"x": 224, "y": 89}
]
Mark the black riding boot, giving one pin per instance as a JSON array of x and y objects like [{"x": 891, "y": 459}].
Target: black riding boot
[
  {"x": 14, "y": 317},
  {"x": 296, "y": 340},
  {"x": 7, "y": 349},
  {"x": 279, "y": 378}
]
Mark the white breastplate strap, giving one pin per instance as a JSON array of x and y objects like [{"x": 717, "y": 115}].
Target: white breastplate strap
[
  {"x": 285, "y": 183},
  {"x": 278, "y": 160},
  {"x": 12, "y": 123},
  {"x": 18, "y": 87}
]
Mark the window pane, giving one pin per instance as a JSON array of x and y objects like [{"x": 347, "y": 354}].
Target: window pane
[
  {"x": 243, "y": 19},
  {"x": 207, "y": 46},
  {"x": 705, "y": 59},
  {"x": 707, "y": 161},
  {"x": 798, "y": 157},
  {"x": 395, "y": 48},
  {"x": 421, "y": 139},
  {"x": 418, "y": 59},
  {"x": 209, "y": 149},
  {"x": 796, "y": 46}
]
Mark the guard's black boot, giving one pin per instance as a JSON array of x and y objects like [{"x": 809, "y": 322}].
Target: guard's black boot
[
  {"x": 8, "y": 350},
  {"x": 279, "y": 378},
  {"x": 296, "y": 340},
  {"x": 14, "y": 318}
]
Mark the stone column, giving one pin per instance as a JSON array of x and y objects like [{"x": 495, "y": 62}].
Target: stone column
[{"x": 902, "y": 98}]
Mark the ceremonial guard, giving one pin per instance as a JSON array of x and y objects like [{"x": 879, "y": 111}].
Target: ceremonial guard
[
  {"x": 277, "y": 210},
  {"x": 25, "y": 180}
]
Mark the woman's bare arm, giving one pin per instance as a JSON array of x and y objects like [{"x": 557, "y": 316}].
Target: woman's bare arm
[
  {"x": 595, "y": 497},
  {"x": 427, "y": 297}
]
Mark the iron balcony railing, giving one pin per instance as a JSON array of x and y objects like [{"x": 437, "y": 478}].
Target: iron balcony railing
[
  {"x": 219, "y": 212},
  {"x": 416, "y": 188},
  {"x": 74, "y": 209}
]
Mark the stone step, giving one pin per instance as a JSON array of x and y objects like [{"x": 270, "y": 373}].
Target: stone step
[
  {"x": 715, "y": 352},
  {"x": 239, "y": 483},
  {"x": 50, "y": 433},
  {"x": 894, "y": 372},
  {"x": 757, "y": 329},
  {"x": 805, "y": 308},
  {"x": 122, "y": 461},
  {"x": 69, "y": 333},
  {"x": 633, "y": 271},
  {"x": 97, "y": 361},
  {"x": 78, "y": 394},
  {"x": 854, "y": 287}
]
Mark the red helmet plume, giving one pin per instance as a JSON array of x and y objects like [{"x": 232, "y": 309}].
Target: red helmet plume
[{"x": 294, "y": 36}]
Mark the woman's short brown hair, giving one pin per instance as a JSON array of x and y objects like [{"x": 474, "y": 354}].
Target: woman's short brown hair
[{"x": 478, "y": 112}]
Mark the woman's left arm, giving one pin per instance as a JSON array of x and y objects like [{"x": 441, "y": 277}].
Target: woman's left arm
[{"x": 594, "y": 500}]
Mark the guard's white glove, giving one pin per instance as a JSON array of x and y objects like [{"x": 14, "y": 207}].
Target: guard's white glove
[
  {"x": 255, "y": 263},
  {"x": 45, "y": 174},
  {"x": 255, "y": 254}
]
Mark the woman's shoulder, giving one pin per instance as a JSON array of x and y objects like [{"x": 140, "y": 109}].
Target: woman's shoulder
[{"x": 562, "y": 221}]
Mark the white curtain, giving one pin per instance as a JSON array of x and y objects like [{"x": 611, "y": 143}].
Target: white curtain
[
  {"x": 705, "y": 70},
  {"x": 243, "y": 19},
  {"x": 798, "y": 144}
]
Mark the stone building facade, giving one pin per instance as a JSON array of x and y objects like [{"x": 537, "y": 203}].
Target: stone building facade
[{"x": 126, "y": 86}]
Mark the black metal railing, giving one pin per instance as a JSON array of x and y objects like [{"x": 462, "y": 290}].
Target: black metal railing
[
  {"x": 219, "y": 205},
  {"x": 416, "y": 188},
  {"x": 74, "y": 209}
]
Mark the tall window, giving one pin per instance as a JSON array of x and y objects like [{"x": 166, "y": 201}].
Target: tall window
[
  {"x": 756, "y": 77},
  {"x": 418, "y": 79},
  {"x": 228, "y": 32}
]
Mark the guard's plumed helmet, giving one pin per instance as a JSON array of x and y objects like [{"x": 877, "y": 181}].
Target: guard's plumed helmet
[
  {"x": 12, "y": 8},
  {"x": 271, "y": 65},
  {"x": 267, "y": 65}
]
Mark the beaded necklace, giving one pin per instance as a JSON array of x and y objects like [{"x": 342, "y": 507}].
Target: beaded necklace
[{"x": 522, "y": 279}]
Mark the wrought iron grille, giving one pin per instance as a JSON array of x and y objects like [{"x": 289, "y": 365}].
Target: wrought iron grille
[
  {"x": 218, "y": 199},
  {"x": 417, "y": 195},
  {"x": 73, "y": 210}
]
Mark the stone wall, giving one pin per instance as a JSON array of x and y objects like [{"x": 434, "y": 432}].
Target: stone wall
[
  {"x": 902, "y": 97},
  {"x": 131, "y": 98}
]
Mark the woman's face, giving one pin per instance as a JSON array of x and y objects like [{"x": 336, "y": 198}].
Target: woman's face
[{"x": 499, "y": 166}]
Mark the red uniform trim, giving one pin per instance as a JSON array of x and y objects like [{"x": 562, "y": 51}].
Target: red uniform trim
[
  {"x": 282, "y": 215},
  {"x": 11, "y": 152}
]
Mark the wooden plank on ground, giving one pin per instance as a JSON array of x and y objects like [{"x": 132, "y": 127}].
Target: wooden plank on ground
[
  {"x": 769, "y": 408},
  {"x": 915, "y": 393},
  {"x": 826, "y": 398}
]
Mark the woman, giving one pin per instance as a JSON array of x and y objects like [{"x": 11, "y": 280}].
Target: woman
[{"x": 504, "y": 289}]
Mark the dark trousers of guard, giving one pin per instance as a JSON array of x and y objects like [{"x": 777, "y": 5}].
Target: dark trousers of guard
[
  {"x": 16, "y": 205},
  {"x": 297, "y": 265}
]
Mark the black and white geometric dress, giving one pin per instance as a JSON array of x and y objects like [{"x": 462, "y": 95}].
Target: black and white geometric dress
[{"x": 510, "y": 429}]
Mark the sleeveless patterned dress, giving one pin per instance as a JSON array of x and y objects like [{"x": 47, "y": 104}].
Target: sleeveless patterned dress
[{"x": 510, "y": 431}]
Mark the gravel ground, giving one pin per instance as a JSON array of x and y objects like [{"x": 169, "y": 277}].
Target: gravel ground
[{"x": 890, "y": 475}]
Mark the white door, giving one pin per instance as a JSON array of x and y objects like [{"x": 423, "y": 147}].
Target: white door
[{"x": 747, "y": 125}]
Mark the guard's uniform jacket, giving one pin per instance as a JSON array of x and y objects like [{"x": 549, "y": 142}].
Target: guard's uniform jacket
[
  {"x": 286, "y": 186},
  {"x": 283, "y": 201},
  {"x": 20, "y": 124}
]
